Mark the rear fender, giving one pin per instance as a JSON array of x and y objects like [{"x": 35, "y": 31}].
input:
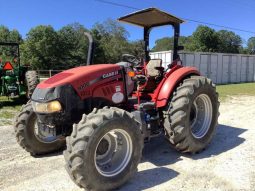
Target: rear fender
[{"x": 172, "y": 82}]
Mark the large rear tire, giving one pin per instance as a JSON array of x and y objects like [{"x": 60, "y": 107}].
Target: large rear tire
[
  {"x": 32, "y": 80},
  {"x": 104, "y": 149},
  {"x": 25, "y": 126},
  {"x": 192, "y": 114}
]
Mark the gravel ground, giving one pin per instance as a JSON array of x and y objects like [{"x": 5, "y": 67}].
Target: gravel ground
[{"x": 227, "y": 164}]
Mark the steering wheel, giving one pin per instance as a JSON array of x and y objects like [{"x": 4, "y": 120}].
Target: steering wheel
[{"x": 131, "y": 59}]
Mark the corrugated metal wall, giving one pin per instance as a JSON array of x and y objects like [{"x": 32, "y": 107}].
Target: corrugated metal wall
[{"x": 221, "y": 68}]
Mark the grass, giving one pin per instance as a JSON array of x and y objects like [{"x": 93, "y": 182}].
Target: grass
[
  {"x": 9, "y": 108},
  {"x": 226, "y": 91}
]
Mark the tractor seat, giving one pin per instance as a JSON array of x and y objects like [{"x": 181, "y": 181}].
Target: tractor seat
[
  {"x": 154, "y": 68},
  {"x": 154, "y": 73}
]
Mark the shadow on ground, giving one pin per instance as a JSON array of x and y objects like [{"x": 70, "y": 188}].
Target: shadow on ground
[
  {"x": 57, "y": 153},
  {"x": 159, "y": 153},
  {"x": 149, "y": 178}
]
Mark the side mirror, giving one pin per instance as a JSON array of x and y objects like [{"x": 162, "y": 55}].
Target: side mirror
[{"x": 180, "y": 48}]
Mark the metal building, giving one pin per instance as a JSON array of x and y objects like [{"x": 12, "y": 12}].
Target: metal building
[{"x": 220, "y": 67}]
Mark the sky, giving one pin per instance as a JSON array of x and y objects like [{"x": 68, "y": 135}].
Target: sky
[{"x": 25, "y": 14}]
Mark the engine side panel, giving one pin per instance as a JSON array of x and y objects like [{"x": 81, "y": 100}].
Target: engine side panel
[{"x": 113, "y": 91}]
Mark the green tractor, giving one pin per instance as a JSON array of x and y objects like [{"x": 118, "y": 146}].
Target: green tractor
[{"x": 16, "y": 80}]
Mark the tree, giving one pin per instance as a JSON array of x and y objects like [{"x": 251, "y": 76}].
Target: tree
[
  {"x": 41, "y": 49},
  {"x": 243, "y": 50},
  {"x": 15, "y": 36},
  {"x": 8, "y": 52},
  {"x": 111, "y": 39},
  {"x": 204, "y": 39},
  {"x": 251, "y": 45},
  {"x": 73, "y": 45},
  {"x": 4, "y": 37},
  {"x": 4, "y": 33},
  {"x": 99, "y": 54},
  {"x": 163, "y": 44},
  {"x": 228, "y": 42},
  {"x": 136, "y": 48},
  {"x": 167, "y": 43}
]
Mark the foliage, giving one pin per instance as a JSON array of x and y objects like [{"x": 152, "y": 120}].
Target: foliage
[
  {"x": 136, "y": 48},
  {"x": 46, "y": 48},
  {"x": 204, "y": 39},
  {"x": 167, "y": 43},
  {"x": 251, "y": 45},
  {"x": 112, "y": 39},
  {"x": 163, "y": 44},
  {"x": 73, "y": 46},
  {"x": 6, "y": 35},
  {"x": 228, "y": 42},
  {"x": 41, "y": 48}
]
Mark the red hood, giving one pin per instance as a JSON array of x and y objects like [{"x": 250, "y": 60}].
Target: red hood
[{"x": 77, "y": 76}]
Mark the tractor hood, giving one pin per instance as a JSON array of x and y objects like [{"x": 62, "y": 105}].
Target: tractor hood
[
  {"x": 81, "y": 80},
  {"x": 77, "y": 91},
  {"x": 77, "y": 77}
]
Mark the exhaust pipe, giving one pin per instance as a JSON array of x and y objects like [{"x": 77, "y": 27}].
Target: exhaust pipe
[{"x": 90, "y": 49}]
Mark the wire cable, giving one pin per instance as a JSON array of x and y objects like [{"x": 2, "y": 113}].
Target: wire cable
[{"x": 187, "y": 19}]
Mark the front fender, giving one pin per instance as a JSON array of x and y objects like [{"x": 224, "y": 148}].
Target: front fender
[{"x": 172, "y": 82}]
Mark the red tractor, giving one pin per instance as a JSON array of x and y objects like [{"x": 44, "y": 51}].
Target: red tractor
[{"x": 113, "y": 108}]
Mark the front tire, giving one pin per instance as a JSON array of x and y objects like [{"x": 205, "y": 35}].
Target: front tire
[
  {"x": 24, "y": 127},
  {"x": 104, "y": 149},
  {"x": 192, "y": 114}
]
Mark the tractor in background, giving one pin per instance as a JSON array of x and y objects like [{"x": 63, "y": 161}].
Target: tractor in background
[
  {"x": 16, "y": 80},
  {"x": 103, "y": 113}
]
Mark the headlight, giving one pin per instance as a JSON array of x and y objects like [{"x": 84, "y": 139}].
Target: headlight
[{"x": 50, "y": 107}]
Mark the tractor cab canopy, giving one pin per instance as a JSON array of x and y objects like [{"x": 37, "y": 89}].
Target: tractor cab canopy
[{"x": 152, "y": 17}]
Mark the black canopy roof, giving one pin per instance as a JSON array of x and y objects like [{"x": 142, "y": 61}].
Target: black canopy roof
[{"x": 150, "y": 17}]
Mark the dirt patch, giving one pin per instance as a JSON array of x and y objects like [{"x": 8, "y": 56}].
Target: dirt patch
[{"x": 227, "y": 164}]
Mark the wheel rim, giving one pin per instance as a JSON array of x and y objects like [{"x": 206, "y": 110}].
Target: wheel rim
[
  {"x": 113, "y": 152},
  {"x": 40, "y": 137},
  {"x": 201, "y": 116}
]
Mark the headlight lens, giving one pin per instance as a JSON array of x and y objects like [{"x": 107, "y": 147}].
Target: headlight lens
[{"x": 50, "y": 107}]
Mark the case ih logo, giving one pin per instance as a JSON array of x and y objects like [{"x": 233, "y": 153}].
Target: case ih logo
[
  {"x": 110, "y": 74},
  {"x": 104, "y": 76}
]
